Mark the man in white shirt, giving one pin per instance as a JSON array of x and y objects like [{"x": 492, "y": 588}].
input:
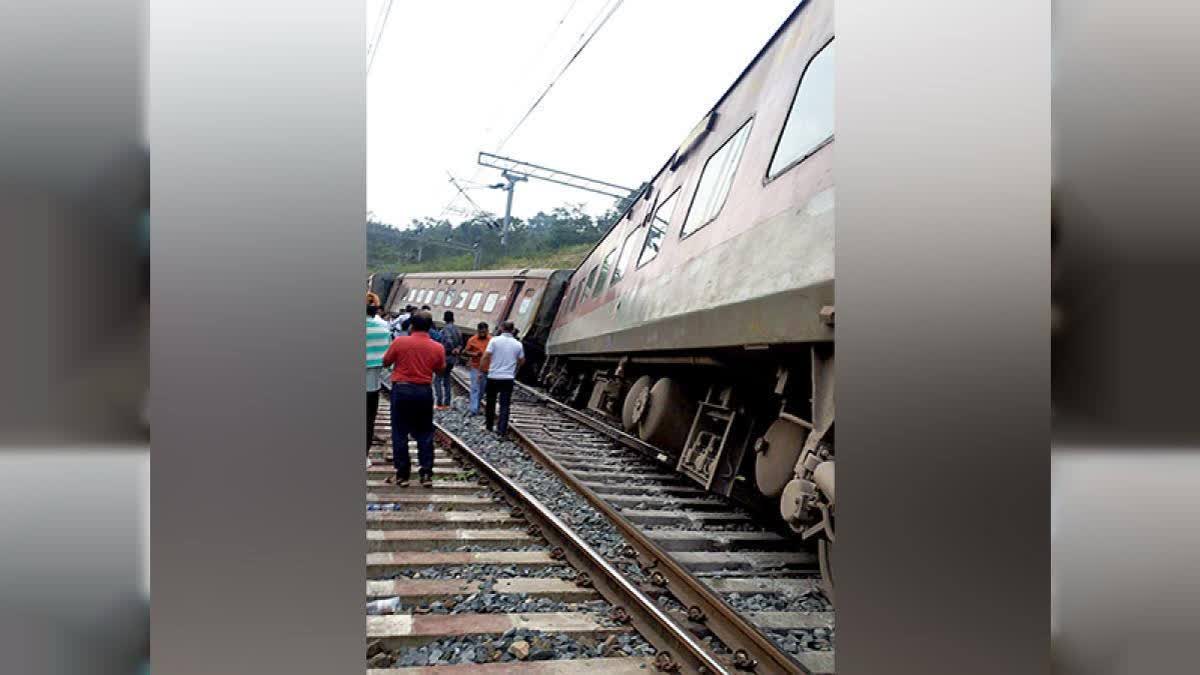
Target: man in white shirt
[
  {"x": 501, "y": 361},
  {"x": 398, "y": 325}
]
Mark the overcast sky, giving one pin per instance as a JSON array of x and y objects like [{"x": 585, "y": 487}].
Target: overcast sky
[{"x": 452, "y": 78}]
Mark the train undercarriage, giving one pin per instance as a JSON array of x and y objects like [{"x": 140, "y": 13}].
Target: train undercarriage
[{"x": 752, "y": 425}]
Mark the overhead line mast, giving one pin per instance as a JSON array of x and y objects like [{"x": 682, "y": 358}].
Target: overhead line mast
[{"x": 514, "y": 171}]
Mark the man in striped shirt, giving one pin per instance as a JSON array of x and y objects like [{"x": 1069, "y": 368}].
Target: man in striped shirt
[{"x": 378, "y": 339}]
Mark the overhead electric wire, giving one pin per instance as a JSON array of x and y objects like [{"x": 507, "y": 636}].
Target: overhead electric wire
[
  {"x": 373, "y": 48},
  {"x": 541, "y": 97},
  {"x": 378, "y": 22},
  {"x": 585, "y": 39},
  {"x": 550, "y": 38},
  {"x": 492, "y": 224}
]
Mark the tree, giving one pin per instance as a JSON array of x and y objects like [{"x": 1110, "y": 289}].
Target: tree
[{"x": 567, "y": 228}]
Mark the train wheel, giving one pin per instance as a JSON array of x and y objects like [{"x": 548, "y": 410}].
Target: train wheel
[
  {"x": 825, "y": 556},
  {"x": 635, "y": 403},
  {"x": 668, "y": 417},
  {"x": 777, "y": 452}
]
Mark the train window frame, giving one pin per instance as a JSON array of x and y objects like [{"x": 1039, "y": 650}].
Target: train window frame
[
  {"x": 607, "y": 265},
  {"x": 438, "y": 298},
  {"x": 489, "y": 303},
  {"x": 591, "y": 281},
  {"x": 462, "y": 299},
  {"x": 623, "y": 259},
  {"x": 575, "y": 293},
  {"x": 450, "y": 297},
  {"x": 527, "y": 301},
  {"x": 768, "y": 177},
  {"x": 747, "y": 125},
  {"x": 650, "y": 223},
  {"x": 476, "y": 298}
]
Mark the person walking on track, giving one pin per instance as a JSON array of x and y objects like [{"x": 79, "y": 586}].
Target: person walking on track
[
  {"x": 476, "y": 346},
  {"x": 414, "y": 359},
  {"x": 452, "y": 341},
  {"x": 502, "y": 358},
  {"x": 378, "y": 338}
]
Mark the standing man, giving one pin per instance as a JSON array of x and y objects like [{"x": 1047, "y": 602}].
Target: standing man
[
  {"x": 377, "y": 344},
  {"x": 399, "y": 325},
  {"x": 502, "y": 358},
  {"x": 476, "y": 346},
  {"x": 415, "y": 358},
  {"x": 452, "y": 341}
]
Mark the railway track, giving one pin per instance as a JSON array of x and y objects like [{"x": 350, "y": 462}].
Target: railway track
[
  {"x": 723, "y": 574},
  {"x": 476, "y": 573}
]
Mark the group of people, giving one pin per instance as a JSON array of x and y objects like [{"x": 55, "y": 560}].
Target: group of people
[{"x": 412, "y": 359}]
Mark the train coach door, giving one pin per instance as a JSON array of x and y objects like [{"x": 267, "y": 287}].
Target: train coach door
[{"x": 514, "y": 294}]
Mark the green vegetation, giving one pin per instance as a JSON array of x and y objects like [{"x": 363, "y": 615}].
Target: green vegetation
[{"x": 559, "y": 239}]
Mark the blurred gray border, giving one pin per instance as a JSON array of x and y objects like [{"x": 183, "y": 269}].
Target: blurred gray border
[
  {"x": 943, "y": 170},
  {"x": 257, "y": 129}
]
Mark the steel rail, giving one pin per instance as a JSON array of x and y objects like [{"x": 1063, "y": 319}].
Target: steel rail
[
  {"x": 677, "y": 647},
  {"x": 617, "y": 435},
  {"x": 752, "y": 648}
]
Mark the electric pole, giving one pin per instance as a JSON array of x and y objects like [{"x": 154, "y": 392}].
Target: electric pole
[
  {"x": 512, "y": 179},
  {"x": 514, "y": 171}
]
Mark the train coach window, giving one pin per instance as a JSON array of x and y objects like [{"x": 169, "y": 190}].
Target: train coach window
[
  {"x": 490, "y": 303},
  {"x": 412, "y": 294},
  {"x": 715, "y": 180},
  {"x": 809, "y": 123},
  {"x": 575, "y": 293},
  {"x": 623, "y": 261},
  {"x": 449, "y": 298},
  {"x": 657, "y": 228},
  {"x": 475, "y": 301},
  {"x": 604, "y": 269},
  {"x": 527, "y": 301},
  {"x": 591, "y": 281},
  {"x": 462, "y": 299},
  {"x": 437, "y": 299}
]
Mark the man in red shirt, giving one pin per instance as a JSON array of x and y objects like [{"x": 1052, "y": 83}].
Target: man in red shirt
[{"x": 414, "y": 359}]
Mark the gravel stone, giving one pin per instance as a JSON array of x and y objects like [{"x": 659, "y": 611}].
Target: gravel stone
[
  {"x": 778, "y": 602},
  {"x": 803, "y": 639},
  {"x": 515, "y": 463}
]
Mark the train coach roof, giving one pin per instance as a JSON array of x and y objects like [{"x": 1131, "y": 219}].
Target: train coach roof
[
  {"x": 528, "y": 273},
  {"x": 712, "y": 109}
]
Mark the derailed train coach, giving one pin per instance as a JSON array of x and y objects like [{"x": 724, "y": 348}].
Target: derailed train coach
[
  {"x": 380, "y": 283},
  {"x": 703, "y": 320},
  {"x": 527, "y": 297}
]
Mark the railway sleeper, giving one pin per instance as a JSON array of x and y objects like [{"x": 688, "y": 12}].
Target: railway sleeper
[
  {"x": 400, "y": 520},
  {"x": 395, "y": 631},
  {"x": 425, "y": 591},
  {"x": 699, "y": 540},
  {"x": 395, "y": 541},
  {"x": 631, "y": 665}
]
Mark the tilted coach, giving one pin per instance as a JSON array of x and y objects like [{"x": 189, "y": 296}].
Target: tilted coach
[
  {"x": 704, "y": 318},
  {"x": 527, "y": 297}
]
